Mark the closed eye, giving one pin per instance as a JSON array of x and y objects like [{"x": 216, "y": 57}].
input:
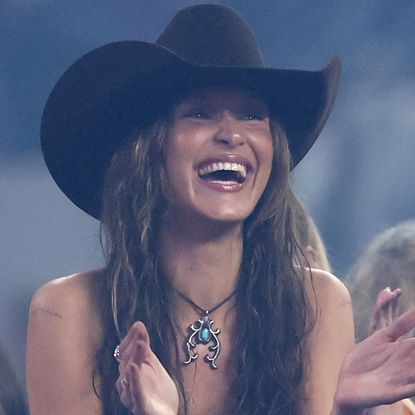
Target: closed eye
[
  {"x": 254, "y": 117},
  {"x": 201, "y": 114},
  {"x": 252, "y": 112}
]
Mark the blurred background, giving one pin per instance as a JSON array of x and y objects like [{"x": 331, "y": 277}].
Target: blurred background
[{"x": 356, "y": 181}]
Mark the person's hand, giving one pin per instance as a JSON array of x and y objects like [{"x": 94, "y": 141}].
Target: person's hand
[
  {"x": 385, "y": 310},
  {"x": 384, "y": 314},
  {"x": 144, "y": 386},
  {"x": 379, "y": 370}
]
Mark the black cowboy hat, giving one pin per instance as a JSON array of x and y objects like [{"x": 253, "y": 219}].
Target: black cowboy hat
[{"x": 112, "y": 89}]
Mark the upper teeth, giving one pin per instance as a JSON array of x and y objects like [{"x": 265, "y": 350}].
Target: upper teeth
[{"x": 223, "y": 166}]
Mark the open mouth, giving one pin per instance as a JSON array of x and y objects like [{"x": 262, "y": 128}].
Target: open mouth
[{"x": 223, "y": 172}]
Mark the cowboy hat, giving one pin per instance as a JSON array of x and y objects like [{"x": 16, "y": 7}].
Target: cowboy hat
[{"x": 114, "y": 88}]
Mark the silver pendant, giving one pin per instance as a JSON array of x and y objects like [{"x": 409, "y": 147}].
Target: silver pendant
[{"x": 203, "y": 333}]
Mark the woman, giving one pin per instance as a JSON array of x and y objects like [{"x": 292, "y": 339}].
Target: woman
[{"x": 183, "y": 150}]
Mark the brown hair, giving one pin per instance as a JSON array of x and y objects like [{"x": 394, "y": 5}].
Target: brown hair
[{"x": 272, "y": 310}]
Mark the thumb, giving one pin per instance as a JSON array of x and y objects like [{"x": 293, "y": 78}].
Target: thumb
[{"x": 402, "y": 325}]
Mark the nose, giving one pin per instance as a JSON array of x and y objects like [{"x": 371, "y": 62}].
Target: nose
[{"x": 229, "y": 132}]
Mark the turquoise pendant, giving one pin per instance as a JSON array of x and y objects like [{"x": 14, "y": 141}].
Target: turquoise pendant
[{"x": 203, "y": 333}]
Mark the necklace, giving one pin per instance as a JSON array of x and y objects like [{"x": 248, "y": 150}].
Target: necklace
[{"x": 201, "y": 331}]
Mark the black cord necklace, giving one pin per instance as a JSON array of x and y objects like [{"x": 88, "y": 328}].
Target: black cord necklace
[{"x": 203, "y": 332}]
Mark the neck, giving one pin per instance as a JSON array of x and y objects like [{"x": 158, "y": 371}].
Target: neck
[{"x": 202, "y": 260}]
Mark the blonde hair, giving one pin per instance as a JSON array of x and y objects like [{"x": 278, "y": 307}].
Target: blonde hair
[
  {"x": 308, "y": 236},
  {"x": 389, "y": 261}
]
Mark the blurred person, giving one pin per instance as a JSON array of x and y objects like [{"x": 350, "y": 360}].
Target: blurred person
[
  {"x": 388, "y": 261},
  {"x": 12, "y": 398},
  {"x": 183, "y": 149}
]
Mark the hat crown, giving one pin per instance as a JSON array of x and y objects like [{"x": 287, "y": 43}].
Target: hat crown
[{"x": 211, "y": 35}]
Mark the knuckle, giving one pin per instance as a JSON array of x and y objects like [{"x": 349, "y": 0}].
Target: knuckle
[{"x": 137, "y": 326}]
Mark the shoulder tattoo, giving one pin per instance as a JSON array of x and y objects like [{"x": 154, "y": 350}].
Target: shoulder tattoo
[{"x": 41, "y": 308}]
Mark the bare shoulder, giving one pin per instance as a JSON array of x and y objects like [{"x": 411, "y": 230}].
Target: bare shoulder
[
  {"x": 73, "y": 296},
  {"x": 64, "y": 335},
  {"x": 332, "y": 305},
  {"x": 325, "y": 290}
]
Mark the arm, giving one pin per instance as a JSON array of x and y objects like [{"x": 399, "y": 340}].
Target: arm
[{"x": 63, "y": 336}]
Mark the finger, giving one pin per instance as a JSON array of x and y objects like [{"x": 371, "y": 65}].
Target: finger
[
  {"x": 127, "y": 382},
  {"x": 388, "y": 319},
  {"x": 380, "y": 310},
  {"x": 395, "y": 303},
  {"x": 392, "y": 306},
  {"x": 383, "y": 297},
  {"x": 136, "y": 388},
  {"x": 132, "y": 333},
  {"x": 142, "y": 332},
  {"x": 374, "y": 323},
  {"x": 402, "y": 325},
  {"x": 388, "y": 301},
  {"x": 128, "y": 351},
  {"x": 142, "y": 354},
  {"x": 145, "y": 356},
  {"x": 124, "y": 392},
  {"x": 137, "y": 331}
]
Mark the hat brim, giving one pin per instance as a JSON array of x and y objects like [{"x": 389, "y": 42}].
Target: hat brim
[{"x": 112, "y": 89}]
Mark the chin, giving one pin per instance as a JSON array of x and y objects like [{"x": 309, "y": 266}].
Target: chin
[{"x": 226, "y": 216}]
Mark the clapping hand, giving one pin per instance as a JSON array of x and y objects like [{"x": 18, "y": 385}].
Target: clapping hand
[
  {"x": 385, "y": 311},
  {"x": 144, "y": 386},
  {"x": 381, "y": 369}
]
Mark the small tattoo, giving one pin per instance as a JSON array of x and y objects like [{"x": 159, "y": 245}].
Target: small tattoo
[{"x": 41, "y": 308}]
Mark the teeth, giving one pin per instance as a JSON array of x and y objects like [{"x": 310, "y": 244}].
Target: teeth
[{"x": 223, "y": 166}]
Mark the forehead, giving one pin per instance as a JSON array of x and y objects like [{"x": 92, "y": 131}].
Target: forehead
[{"x": 224, "y": 95}]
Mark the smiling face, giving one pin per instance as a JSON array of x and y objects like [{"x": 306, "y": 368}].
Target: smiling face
[{"x": 219, "y": 154}]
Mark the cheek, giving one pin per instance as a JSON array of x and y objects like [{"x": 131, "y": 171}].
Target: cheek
[
  {"x": 267, "y": 153},
  {"x": 175, "y": 154},
  {"x": 178, "y": 173}
]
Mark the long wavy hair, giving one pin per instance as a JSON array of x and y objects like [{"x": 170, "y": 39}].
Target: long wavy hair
[{"x": 272, "y": 309}]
